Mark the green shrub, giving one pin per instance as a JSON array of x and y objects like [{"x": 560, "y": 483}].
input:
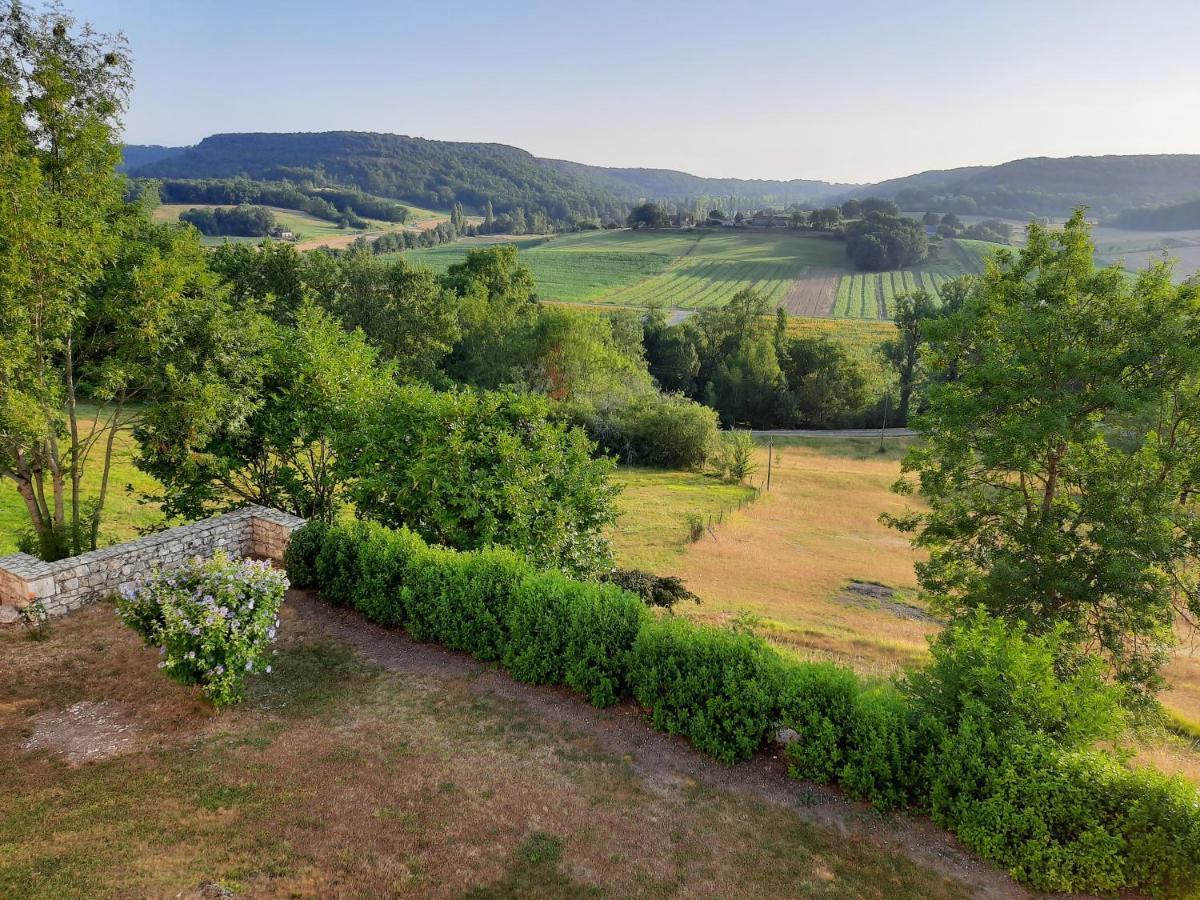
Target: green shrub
[
  {"x": 212, "y": 620},
  {"x": 300, "y": 558},
  {"x": 479, "y": 596},
  {"x": 383, "y": 565},
  {"x": 985, "y": 668},
  {"x": 668, "y": 431},
  {"x": 1008, "y": 719},
  {"x": 818, "y": 703},
  {"x": 337, "y": 566},
  {"x": 882, "y": 753},
  {"x": 575, "y": 633},
  {"x": 662, "y": 591},
  {"x": 719, "y": 688},
  {"x": 429, "y": 580},
  {"x": 468, "y": 470}
]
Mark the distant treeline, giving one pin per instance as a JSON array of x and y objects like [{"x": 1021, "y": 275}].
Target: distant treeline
[
  {"x": 345, "y": 206},
  {"x": 235, "y": 221},
  {"x": 1175, "y": 217}
]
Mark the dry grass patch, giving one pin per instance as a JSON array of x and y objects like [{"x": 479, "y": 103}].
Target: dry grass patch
[
  {"x": 788, "y": 558},
  {"x": 341, "y": 778}
]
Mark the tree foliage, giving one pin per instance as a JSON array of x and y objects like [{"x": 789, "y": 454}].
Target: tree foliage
[
  {"x": 469, "y": 469},
  {"x": 880, "y": 241},
  {"x": 1062, "y": 452}
]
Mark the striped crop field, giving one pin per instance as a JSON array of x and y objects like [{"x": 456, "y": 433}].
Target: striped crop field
[
  {"x": 854, "y": 297},
  {"x": 804, "y": 273}
]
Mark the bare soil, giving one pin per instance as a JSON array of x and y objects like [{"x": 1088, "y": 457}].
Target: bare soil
[{"x": 812, "y": 293}]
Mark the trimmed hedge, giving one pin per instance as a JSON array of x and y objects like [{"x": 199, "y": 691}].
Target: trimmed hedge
[
  {"x": 580, "y": 634},
  {"x": 989, "y": 738},
  {"x": 719, "y": 688}
]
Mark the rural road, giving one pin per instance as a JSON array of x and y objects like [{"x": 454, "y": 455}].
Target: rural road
[{"x": 836, "y": 433}]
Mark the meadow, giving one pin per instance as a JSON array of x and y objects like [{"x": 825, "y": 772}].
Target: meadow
[
  {"x": 806, "y": 274},
  {"x": 310, "y": 231},
  {"x": 785, "y": 564}
]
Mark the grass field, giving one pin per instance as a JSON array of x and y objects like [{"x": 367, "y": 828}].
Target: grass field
[
  {"x": 782, "y": 564},
  {"x": 653, "y": 511},
  {"x": 309, "y": 230},
  {"x": 123, "y": 516},
  {"x": 804, "y": 273}
]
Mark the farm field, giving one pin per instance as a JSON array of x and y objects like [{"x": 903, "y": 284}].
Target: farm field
[
  {"x": 310, "y": 231},
  {"x": 872, "y": 295},
  {"x": 806, "y": 274}
]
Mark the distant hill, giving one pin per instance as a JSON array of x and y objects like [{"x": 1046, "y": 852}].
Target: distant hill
[
  {"x": 668, "y": 184},
  {"x": 136, "y": 155},
  {"x": 437, "y": 173},
  {"x": 1161, "y": 217},
  {"x": 1050, "y": 187},
  {"x": 428, "y": 173}
]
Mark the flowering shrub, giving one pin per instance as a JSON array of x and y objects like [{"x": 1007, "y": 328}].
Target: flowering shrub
[{"x": 212, "y": 620}]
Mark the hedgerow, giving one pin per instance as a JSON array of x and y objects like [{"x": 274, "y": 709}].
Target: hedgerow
[{"x": 991, "y": 738}]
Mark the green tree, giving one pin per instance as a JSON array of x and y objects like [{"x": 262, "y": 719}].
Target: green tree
[
  {"x": 468, "y": 469},
  {"x": 312, "y": 380},
  {"x": 1060, "y": 464},
  {"x": 497, "y": 316},
  {"x": 823, "y": 384},
  {"x": 96, "y": 305},
  {"x": 904, "y": 351},
  {"x": 648, "y": 215}
]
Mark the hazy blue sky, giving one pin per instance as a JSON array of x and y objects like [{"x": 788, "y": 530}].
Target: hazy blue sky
[{"x": 855, "y": 91}]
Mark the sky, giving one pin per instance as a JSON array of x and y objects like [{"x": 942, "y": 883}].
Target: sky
[{"x": 848, "y": 92}]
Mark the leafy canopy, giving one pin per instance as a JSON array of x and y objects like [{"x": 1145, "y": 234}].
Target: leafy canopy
[{"x": 1062, "y": 452}]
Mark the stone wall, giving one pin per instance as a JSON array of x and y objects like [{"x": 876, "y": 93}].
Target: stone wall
[{"x": 71, "y": 583}]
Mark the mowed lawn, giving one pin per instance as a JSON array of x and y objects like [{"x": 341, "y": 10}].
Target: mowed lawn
[{"x": 420, "y": 773}]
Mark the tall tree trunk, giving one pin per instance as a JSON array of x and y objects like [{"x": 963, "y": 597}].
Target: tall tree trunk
[
  {"x": 108, "y": 452},
  {"x": 73, "y": 418}
]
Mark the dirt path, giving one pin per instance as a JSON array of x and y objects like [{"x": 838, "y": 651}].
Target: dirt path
[
  {"x": 812, "y": 293},
  {"x": 666, "y": 764}
]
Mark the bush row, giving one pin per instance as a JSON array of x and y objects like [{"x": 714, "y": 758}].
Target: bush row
[{"x": 990, "y": 739}]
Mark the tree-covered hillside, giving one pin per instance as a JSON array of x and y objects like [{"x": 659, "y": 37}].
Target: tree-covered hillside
[
  {"x": 429, "y": 173},
  {"x": 135, "y": 155},
  {"x": 440, "y": 173},
  {"x": 668, "y": 184},
  {"x": 1044, "y": 186}
]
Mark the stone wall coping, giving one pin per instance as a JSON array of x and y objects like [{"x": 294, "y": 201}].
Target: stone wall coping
[{"x": 68, "y": 583}]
